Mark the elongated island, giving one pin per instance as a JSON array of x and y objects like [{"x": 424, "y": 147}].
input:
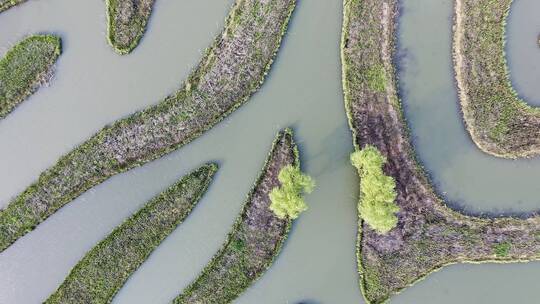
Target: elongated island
[{"x": 231, "y": 70}]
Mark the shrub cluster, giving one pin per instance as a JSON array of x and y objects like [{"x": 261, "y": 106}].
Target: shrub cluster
[
  {"x": 377, "y": 200},
  {"x": 287, "y": 200}
]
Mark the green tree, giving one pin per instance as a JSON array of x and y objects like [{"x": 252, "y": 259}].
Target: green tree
[
  {"x": 377, "y": 200},
  {"x": 287, "y": 200}
]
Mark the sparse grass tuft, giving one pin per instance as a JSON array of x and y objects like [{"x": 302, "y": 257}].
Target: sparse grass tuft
[{"x": 502, "y": 249}]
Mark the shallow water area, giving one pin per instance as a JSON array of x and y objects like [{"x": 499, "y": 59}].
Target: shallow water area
[
  {"x": 467, "y": 178},
  {"x": 94, "y": 86}
]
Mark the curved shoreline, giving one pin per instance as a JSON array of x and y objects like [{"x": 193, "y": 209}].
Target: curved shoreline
[
  {"x": 232, "y": 69},
  {"x": 498, "y": 121},
  {"x": 429, "y": 234},
  {"x": 126, "y": 27},
  {"x": 100, "y": 274},
  {"x": 255, "y": 240},
  {"x": 25, "y": 67}
]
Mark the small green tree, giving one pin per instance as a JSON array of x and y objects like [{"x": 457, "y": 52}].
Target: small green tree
[
  {"x": 377, "y": 201},
  {"x": 287, "y": 200}
]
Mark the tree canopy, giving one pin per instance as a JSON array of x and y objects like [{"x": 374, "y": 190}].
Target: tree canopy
[
  {"x": 287, "y": 200},
  {"x": 377, "y": 200}
]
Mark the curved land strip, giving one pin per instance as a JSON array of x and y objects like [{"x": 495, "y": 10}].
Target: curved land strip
[
  {"x": 428, "y": 234},
  {"x": 232, "y": 69},
  {"x": 6, "y": 4},
  {"x": 105, "y": 268},
  {"x": 25, "y": 67},
  {"x": 255, "y": 240},
  {"x": 126, "y": 23},
  {"x": 499, "y": 122}
]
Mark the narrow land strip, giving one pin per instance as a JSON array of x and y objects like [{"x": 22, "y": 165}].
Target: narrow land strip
[
  {"x": 255, "y": 239},
  {"x": 428, "y": 234},
  {"x": 105, "y": 268},
  {"x": 232, "y": 69},
  {"x": 499, "y": 122},
  {"x": 126, "y": 23},
  {"x": 26, "y": 67}
]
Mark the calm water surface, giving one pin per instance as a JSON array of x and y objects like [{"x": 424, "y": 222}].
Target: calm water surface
[
  {"x": 94, "y": 86},
  {"x": 467, "y": 177}
]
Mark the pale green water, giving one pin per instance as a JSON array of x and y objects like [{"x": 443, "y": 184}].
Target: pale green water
[{"x": 94, "y": 86}]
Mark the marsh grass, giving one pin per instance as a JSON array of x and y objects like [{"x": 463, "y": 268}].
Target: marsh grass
[
  {"x": 428, "y": 234},
  {"x": 126, "y": 23},
  {"x": 255, "y": 240},
  {"x": 498, "y": 120},
  {"x": 24, "y": 68},
  {"x": 231, "y": 70},
  {"x": 107, "y": 266}
]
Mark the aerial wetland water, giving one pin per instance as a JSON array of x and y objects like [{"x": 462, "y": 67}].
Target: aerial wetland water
[{"x": 94, "y": 86}]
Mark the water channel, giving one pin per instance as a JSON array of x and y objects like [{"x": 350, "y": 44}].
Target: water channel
[{"x": 94, "y": 86}]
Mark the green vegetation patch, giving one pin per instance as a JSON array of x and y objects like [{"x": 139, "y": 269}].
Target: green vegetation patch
[
  {"x": 502, "y": 249},
  {"x": 376, "y": 78},
  {"x": 287, "y": 200},
  {"x": 377, "y": 204},
  {"x": 255, "y": 239},
  {"x": 222, "y": 82},
  {"x": 24, "y": 68},
  {"x": 107, "y": 266},
  {"x": 126, "y": 23}
]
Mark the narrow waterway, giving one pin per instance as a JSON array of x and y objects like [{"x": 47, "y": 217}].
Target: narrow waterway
[
  {"x": 468, "y": 178},
  {"x": 94, "y": 86}
]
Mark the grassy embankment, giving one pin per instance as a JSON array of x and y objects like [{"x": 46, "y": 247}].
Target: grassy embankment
[
  {"x": 255, "y": 239},
  {"x": 107, "y": 266},
  {"x": 6, "y": 4},
  {"x": 499, "y": 122},
  {"x": 24, "y": 68},
  {"x": 428, "y": 235},
  {"x": 126, "y": 23},
  {"x": 232, "y": 69}
]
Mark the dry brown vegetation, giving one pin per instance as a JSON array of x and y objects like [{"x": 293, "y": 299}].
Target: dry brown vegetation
[{"x": 428, "y": 234}]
